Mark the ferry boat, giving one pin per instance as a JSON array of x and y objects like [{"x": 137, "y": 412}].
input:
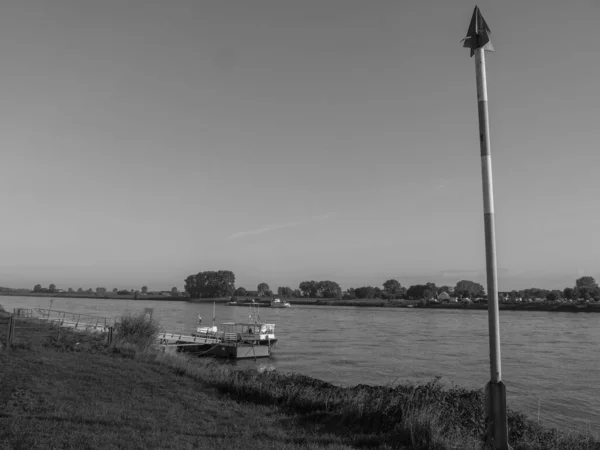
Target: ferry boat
[
  {"x": 277, "y": 303},
  {"x": 237, "y": 340}
]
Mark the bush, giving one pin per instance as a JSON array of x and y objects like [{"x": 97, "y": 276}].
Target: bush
[{"x": 139, "y": 330}]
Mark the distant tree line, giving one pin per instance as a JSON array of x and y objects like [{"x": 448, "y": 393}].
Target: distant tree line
[
  {"x": 102, "y": 291},
  {"x": 221, "y": 283},
  {"x": 586, "y": 288},
  {"x": 215, "y": 284}
]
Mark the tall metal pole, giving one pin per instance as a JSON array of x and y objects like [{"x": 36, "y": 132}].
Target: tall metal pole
[
  {"x": 478, "y": 41},
  {"x": 488, "y": 217}
]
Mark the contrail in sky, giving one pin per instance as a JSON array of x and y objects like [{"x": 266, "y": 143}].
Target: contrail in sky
[{"x": 280, "y": 226}]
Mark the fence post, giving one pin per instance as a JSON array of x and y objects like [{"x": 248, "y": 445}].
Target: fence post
[
  {"x": 10, "y": 331},
  {"x": 110, "y": 336}
]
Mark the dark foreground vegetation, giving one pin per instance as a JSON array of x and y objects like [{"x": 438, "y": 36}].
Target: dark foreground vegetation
[{"x": 74, "y": 392}]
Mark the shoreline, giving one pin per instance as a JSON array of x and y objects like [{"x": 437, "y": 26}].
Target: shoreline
[
  {"x": 374, "y": 303},
  {"x": 94, "y": 296}
]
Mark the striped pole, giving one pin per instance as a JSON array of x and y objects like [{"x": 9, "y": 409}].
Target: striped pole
[
  {"x": 478, "y": 40},
  {"x": 488, "y": 216}
]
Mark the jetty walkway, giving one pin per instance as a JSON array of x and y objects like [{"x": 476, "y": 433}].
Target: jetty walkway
[{"x": 167, "y": 341}]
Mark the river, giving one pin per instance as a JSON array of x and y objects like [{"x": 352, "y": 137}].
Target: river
[{"x": 550, "y": 361}]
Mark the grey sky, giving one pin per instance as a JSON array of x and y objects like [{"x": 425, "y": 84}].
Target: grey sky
[{"x": 287, "y": 140}]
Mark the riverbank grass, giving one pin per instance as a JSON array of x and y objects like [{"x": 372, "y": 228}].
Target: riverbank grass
[{"x": 81, "y": 396}]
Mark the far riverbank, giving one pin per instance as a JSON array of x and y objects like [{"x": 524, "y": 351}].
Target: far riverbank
[
  {"x": 110, "y": 296},
  {"x": 370, "y": 303},
  {"x": 379, "y": 303}
]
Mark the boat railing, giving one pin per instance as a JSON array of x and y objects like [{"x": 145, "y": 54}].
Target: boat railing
[{"x": 230, "y": 337}]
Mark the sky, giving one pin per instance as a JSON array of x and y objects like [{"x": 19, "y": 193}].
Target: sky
[{"x": 144, "y": 141}]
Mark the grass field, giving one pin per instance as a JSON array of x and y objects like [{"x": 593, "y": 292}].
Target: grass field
[{"x": 89, "y": 400}]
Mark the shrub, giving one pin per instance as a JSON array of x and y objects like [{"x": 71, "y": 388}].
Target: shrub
[{"x": 139, "y": 330}]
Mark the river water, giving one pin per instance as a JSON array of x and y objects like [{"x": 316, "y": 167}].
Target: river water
[{"x": 550, "y": 361}]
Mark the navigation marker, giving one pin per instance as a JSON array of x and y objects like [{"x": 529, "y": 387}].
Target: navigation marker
[{"x": 478, "y": 40}]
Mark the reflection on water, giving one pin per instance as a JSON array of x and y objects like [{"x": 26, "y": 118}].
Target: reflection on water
[{"x": 549, "y": 360}]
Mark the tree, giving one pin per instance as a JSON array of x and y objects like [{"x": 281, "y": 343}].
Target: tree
[
  {"x": 240, "y": 292},
  {"x": 52, "y": 288},
  {"x": 262, "y": 289},
  {"x": 587, "y": 285},
  {"x": 89, "y": 291},
  {"x": 367, "y": 292},
  {"x": 329, "y": 289},
  {"x": 210, "y": 284},
  {"x": 37, "y": 288},
  {"x": 469, "y": 289},
  {"x": 144, "y": 290},
  {"x": 428, "y": 294},
  {"x": 433, "y": 289},
  {"x": 191, "y": 287},
  {"x": 586, "y": 282},
  {"x": 535, "y": 293},
  {"x": 70, "y": 291},
  {"x": 309, "y": 289},
  {"x": 568, "y": 293},
  {"x": 446, "y": 289},
  {"x": 80, "y": 290},
  {"x": 551, "y": 296},
  {"x": 284, "y": 291},
  {"x": 392, "y": 287},
  {"x": 100, "y": 291},
  {"x": 174, "y": 291},
  {"x": 297, "y": 293},
  {"x": 416, "y": 291},
  {"x": 349, "y": 294},
  {"x": 316, "y": 289},
  {"x": 115, "y": 290}
]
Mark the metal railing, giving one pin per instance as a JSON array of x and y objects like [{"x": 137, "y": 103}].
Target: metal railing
[{"x": 74, "y": 319}]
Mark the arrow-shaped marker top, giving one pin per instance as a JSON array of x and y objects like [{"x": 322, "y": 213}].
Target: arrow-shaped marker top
[{"x": 478, "y": 34}]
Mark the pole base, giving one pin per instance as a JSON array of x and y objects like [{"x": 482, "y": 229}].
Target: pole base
[{"x": 496, "y": 422}]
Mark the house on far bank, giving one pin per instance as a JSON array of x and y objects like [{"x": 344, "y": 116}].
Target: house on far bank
[{"x": 443, "y": 297}]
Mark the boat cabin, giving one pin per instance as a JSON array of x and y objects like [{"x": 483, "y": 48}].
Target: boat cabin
[{"x": 248, "y": 331}]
